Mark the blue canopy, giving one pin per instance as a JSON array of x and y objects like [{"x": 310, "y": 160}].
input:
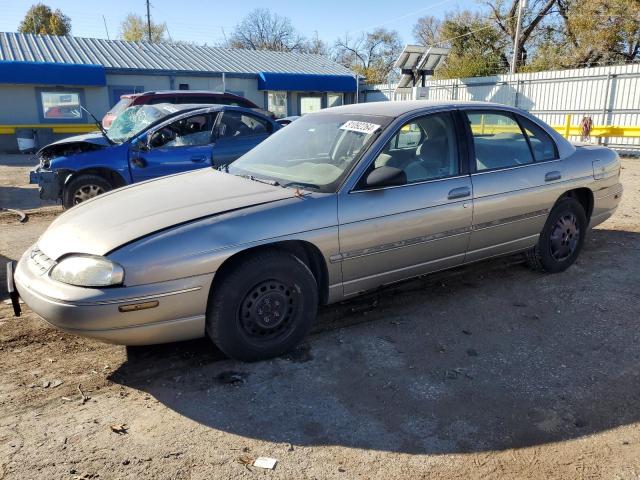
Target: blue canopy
[
  {"x": 43, "y": 73},
  {"x": 300, "y": 82}
]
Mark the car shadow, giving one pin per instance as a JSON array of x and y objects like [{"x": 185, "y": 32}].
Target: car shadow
[
  {"x": 489, "y": 357},
  {"x": 22, "y": 198}
]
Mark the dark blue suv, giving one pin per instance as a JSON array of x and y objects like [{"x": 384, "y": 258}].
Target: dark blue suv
[{"x": 145, "y": 142}]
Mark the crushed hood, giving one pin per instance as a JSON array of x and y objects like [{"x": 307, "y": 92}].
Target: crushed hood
[
  {"x": 95, "y": 138},
  {"x": 113, "y": 219}
]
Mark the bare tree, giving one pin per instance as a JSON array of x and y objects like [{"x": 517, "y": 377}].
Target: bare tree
[
  {"x": 371, "y": 55},
  {"x": 426, "y": 30},
  {"x": 263, "y": 30},
  {"x": 315, "y": 45},
  {"x": 505, "y": 14}
]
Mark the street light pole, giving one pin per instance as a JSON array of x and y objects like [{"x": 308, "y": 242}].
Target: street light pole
[{"x": 522, "y": 4}]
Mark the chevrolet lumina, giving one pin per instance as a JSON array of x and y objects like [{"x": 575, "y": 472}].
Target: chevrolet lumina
[
  {"x": 144, "y": 142},
  {"x": 340, "y": 202}
]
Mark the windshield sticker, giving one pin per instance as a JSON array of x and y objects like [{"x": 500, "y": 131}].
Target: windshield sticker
[{"x": 362, "y": 127}]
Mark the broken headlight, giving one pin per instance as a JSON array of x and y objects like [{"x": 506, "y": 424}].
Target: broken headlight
[{"x": 87, "y": 271}]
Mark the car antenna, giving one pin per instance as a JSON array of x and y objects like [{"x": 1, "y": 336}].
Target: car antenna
[{"x": 99, "y": 125}]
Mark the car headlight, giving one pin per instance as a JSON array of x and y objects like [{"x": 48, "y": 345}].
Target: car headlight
[{"x": 87, "y": 271}]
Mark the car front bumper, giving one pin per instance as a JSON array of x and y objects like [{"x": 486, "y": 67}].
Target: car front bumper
[
  {"x": 138, "y": 315},
  {"x": 49, "y": 183}
]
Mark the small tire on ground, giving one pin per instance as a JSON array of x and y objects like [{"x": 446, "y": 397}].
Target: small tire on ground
[
  {"x": 540, "y": 257},
  {"x": 80, "y": 182},
  {"x": 263, "y": 306}
]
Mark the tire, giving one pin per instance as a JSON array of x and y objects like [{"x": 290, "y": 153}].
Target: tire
[
  {"x": 561, "y": 238},
  {"x": 83, "y": 188},
  {"x": 263, "y": 306}
]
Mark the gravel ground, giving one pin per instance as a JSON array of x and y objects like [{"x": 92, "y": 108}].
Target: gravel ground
[{"x": 490, "y": 371}]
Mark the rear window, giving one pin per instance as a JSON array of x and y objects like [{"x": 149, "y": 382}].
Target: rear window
[
  {"x": 213, "y": 99},
  {"x": 120, "y": 106}
]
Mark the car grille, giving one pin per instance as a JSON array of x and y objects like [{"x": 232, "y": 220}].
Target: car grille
[{"x": 39, "y": 261}]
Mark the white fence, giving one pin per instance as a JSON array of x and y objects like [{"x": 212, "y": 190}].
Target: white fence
[{"x": 609, "y": 95}]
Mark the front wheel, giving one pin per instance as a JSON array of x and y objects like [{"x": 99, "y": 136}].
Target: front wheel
[
  {"x": 263, "y": 306},
  {"x": 561, "y": 238},
  {"x": 83, "y": 188}
]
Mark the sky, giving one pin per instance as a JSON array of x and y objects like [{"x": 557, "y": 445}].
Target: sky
[{"x": 209, "y": 21}]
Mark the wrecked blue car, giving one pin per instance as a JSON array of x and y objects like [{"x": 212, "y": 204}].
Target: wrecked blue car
[{"x": 145, "y": 142}]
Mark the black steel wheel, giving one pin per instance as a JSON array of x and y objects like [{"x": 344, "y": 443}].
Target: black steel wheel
[
  {"x": 561, "y": 238},
  {"x": 262, "y": 306}
]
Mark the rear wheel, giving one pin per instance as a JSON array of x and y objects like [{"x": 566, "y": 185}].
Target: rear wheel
[
  {"x": 561, "y": 239},
  {"x": 263, "y": 306},
  {"x": 83, "y": 188}
]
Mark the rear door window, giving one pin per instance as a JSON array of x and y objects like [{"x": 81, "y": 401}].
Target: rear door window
[
  {"x": 240, "y": 124},
  {"x": 542, "y": 145},
  {"x": 498, "y": 140}
]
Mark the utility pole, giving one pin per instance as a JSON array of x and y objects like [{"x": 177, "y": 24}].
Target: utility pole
[
  {"x": 149, "y": 20},
  {"x": 105, "y": 27},
  {"x": 522, "y": 4}
]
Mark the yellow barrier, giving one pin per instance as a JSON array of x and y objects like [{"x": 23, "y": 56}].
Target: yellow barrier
[
  {"x": 56, "y": 127},
  {"x": 568, "y": 130}
]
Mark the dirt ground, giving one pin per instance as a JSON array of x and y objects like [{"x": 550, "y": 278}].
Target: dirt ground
[{"x": 491, "y": 371}]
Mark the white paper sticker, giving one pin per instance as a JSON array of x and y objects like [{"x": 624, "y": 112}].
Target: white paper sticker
[
  {"x": 362, "y": 127},
  {"x": 265, "y": 462}
]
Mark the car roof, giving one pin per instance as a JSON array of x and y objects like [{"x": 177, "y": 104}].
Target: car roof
[
  {"x": 204, "y": 107},
  {"x": 182, "y": 92},
  {"x": 397, "y": 108}
]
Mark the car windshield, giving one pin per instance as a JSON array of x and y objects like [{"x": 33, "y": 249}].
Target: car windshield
[
  {"x": 135, "y": 119},
  {"x": 315, "y": 152}
]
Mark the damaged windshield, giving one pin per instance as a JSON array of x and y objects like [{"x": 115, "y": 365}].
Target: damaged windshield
[
  {"x": 315, "y": 152},
  {"x": 135, "y": 119}
]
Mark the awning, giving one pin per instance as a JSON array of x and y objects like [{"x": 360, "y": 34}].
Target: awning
[
  {"x": 63, "y": 74},
  {"x": 299, "y": 82}
]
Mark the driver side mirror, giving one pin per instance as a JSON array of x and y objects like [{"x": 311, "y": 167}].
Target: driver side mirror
[
  {"x": 141, "y": 144},
  {"x": 385, "y": 176}
]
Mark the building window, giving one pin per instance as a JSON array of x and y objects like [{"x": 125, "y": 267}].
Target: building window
[
  {"x": 334, "y": 99},
  {"x": 56, "y": 105},
  {"x": 183, "y": 86},
  {"x": 277, "y": 104}
]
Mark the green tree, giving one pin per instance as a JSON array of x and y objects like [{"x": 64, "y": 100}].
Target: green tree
[
  {"x": 135, "y": 29},
  {"x": 41, "y": 20},
  {"x": 477, "y": 47},
  {"x": 371, "y": 55}
]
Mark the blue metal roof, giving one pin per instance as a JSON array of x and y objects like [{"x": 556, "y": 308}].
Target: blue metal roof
[
  {"x": 306, "y": 82},
  {"x": 118, "y": 55},
  {"x": 42, "y": 73}
]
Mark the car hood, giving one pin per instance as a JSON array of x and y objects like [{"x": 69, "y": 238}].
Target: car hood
[
  {"x": 104, "y": 223},
  {"x": 95, "y": 138}
]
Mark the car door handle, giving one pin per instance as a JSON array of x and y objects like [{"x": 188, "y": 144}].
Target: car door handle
[
  {"x": 461, "y": 192},
  {"x": 139, "y": 162},
  {"x": 552, "y": 176},
  {"x": 198, "y": 158}
]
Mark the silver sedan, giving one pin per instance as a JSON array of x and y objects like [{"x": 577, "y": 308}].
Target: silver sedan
[{"x": 340, "y": 202}]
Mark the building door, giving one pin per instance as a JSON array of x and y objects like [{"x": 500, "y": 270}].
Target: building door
[{"x": 309, "y": 103}]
